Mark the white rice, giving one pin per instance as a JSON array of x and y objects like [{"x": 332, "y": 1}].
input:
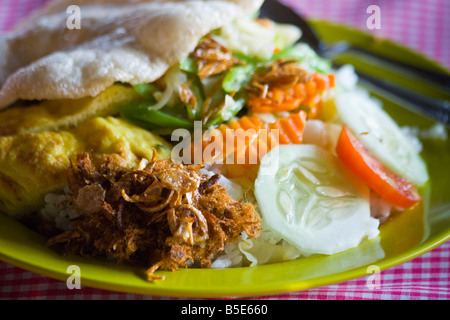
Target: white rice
[{"x": 59, "y": 209}]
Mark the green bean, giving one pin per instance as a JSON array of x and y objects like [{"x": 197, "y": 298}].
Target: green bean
[
  {"x": 141, "y": 113},
  {"x": 237, "y": 77}
]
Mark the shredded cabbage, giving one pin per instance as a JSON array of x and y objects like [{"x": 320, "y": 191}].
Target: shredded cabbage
[
  {"x": 173, "y": 79},
  {"x": 248, "y": 37},
  {"x": 260, "y": 252}
]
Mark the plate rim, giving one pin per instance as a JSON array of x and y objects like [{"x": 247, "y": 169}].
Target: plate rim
[{"x": 300, "y": 285}]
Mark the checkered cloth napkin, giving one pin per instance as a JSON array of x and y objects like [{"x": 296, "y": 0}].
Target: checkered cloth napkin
[{"x": 422, "y": 25}]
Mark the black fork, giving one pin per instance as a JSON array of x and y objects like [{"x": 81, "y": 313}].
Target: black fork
[{"x": 436, "y": 109}]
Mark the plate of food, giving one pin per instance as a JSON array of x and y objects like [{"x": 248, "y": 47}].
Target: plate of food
[{"x": 197, "y": 149}]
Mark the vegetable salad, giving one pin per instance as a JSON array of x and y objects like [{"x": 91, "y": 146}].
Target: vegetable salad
[{"x": 335, "y": 151}]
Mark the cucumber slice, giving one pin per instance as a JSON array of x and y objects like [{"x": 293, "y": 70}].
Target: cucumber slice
[
  {"x": 378, "y": 132},
  {"x": 310, "y": 200}
]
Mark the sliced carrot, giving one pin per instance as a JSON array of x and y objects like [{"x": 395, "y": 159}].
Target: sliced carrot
[
  {"x": 311, "y": 88},
  {"x": 277, "y": 95},
  {"x": 257, "y": 122},
  {"x": 260, "y": 140},
  {"x": 299, "y": 120},
  {"x": 300, "y": 90},
  {"x": 321, "y": 82},
  {"x": 234, "y": 125},
  {"x": 290, "y": 130},
  {"x": 332, "y": 80},
  {"x": 246, "y": 123},
  {"x": 303, "y": 93},
  {"x": 324, "y": 82},
  {"x": 282, "y": 136}
]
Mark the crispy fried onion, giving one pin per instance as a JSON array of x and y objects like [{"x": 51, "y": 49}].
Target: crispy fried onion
[
  {"x": 278, "y": 74},
  {"x": 159, "y": 214},
  {"x": 212, "y": 57}
]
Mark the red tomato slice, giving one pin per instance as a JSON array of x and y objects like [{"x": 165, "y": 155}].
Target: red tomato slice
[{"x": 387, "y": 184}]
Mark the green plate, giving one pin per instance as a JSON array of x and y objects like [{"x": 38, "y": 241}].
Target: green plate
[{"x": 402, "y": 238}]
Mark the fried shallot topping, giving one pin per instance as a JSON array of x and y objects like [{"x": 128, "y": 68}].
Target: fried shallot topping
[
  {"x": 160, "y": 214},
  {"x": 212, "y": 57},
  {"x": 278, "y": 74}
]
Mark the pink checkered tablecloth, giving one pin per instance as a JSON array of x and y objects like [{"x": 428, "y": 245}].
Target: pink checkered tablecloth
[{"x": 422, "y": 25}]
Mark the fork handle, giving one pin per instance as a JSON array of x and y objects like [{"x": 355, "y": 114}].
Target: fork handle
[
  {"x": 438, "y": 110},
  {"x": 437, "y": 78}
]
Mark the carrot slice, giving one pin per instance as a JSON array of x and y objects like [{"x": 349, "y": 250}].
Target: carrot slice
[
  {"x": 303, "y": 93},
  {"x": 332, "y": 80},
  {"x": 256, "y": 143},
  {"x": 321, "y": 82},
  {"x": 290, "y": 130}
]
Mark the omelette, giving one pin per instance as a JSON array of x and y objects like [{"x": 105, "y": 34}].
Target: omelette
[
  {"x": 38, "y": 140},
  {"x": 34, "y": 164}
]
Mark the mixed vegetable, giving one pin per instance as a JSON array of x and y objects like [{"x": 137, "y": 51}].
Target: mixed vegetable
[
  {"x": 252, "y": 75},
  {"x": 222, "y": 78}
]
